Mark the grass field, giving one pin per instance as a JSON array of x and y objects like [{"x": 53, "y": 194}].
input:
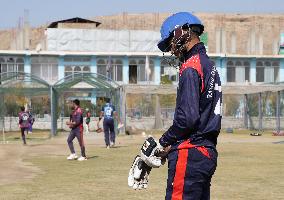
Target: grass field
[{"x": 249, "y": 168}]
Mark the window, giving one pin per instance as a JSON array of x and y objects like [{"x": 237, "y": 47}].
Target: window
[
  {"x": 86, "y": 69},
  {"x": 77, "y": 59},
  {"x": 151, "y": 73},
  {"x": 169, "y": 71},
  {"x": 133, "y": 71},
  {"x": 45, "y": 67},
  {"x": 69, "y": 70},
  {"x": 77, "y": 69},
  {"x": 102, "y": 67},
  {"x": 231, "y": 72},
  {"x": 276, "y": 66},
  {"x": 117, "y": 70},
  {"x": 267, "y": 71},
  {"x": 238, "y": 70},
  {"x": 11, "y": 64},
  {"x": 247, "y": 71},
  {"x": 20, "y": 60},
  {"x": 259, "y": 72},
  {"x": 141, "y": 70}
]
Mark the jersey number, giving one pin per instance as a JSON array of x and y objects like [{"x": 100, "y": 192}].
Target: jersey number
[
  {"x": 108, "y": 112},
  {"x": 25, "y": 117}
]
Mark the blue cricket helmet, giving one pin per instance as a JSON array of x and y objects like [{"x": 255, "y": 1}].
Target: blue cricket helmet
[{"x": 174, "y": 21}]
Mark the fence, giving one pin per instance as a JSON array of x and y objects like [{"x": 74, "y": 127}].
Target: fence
[{"x": 255, "y": 111}]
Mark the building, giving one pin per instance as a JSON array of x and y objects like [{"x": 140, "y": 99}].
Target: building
[{"x": 128, "y": 57}]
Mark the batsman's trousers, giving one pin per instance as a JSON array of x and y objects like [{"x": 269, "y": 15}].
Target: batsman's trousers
[{"x": 190, "y": 169}]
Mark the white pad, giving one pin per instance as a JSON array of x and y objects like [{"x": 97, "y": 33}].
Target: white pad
[{"x": 138, "y": 174}]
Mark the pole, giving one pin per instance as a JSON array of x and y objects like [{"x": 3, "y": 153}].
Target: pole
[
  {"x": 278, "y": 112},
  {"x": 53, "y": 105},
  {"x": 260, "y": 112},
  {"x": 245, "y": 111},
  {"x": 3, "y": 133}
]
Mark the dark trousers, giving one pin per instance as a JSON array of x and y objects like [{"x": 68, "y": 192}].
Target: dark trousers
[
  {"x": 189, "y": 173},
  {"x": 109, "y": 131},
  {"x": 23, "y": 135},
  {"x": 78, "y": 133}
]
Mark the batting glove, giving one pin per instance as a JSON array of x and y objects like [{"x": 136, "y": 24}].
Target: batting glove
[{"x": 150, "y": 153}]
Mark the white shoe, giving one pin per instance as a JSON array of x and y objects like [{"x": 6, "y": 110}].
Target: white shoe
[
  {"x": 72, "y": 156},
  {"x": 82, "y": 158},
  {"x": 111, "y": 144},
  {"x": 107, "y": 146}
]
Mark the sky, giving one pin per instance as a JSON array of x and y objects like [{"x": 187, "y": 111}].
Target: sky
[{"x": 46, "y": 11}]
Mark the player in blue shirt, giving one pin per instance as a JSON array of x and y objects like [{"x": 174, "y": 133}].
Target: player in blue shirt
[{"x": 109, "y": 113}]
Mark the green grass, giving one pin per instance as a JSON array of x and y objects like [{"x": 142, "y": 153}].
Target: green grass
[{"x": 246, "y": 171}]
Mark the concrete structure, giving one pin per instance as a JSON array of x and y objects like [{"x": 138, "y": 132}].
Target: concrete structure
[
  {"x": 134, "y": 62},
  {"x": 131, "y": 67}
]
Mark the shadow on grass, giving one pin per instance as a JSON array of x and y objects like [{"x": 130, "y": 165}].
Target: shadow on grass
[
  {"x": 117, "y": 147},
  {"x": 92, "y": 157}
]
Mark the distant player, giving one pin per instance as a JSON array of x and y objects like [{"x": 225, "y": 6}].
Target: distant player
[
  {"x": 191, "y": 141},
  {"x": 108, "y": 113},
  {"x": 32, "y": 120},
  {"x": 76, "y": 125},
  {"x": 87, "y": 120},
  {"x": 24, "y": 121}
]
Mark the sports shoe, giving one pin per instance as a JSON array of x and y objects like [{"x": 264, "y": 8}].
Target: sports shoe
[
  {"x": 82, "y": 158},
  {"x": 111, "y": 144},
  {"x": 107, "y": 146},
  {"x": 72, "y": 156}
]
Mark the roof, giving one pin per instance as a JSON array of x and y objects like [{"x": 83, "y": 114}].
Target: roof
[{"x": 73, "y": 20}]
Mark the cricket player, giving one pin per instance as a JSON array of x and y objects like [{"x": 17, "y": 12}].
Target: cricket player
[
  {"x": 32, "y": 120},
  {"x": 76, "y": 125},
  {"x": 108, "y": 113},
  {"x": 190, "y": 143},
  {"x": 88, "y": 119},
  {"x": 24, "y": 121}
]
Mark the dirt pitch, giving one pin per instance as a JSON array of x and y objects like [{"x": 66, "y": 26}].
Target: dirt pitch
[{"x": 249, "y": 168}]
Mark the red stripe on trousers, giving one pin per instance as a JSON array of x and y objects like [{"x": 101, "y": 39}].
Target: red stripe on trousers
[
  {"x": 187, "y": 145},
  {"x": 178, "y": 183}
]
